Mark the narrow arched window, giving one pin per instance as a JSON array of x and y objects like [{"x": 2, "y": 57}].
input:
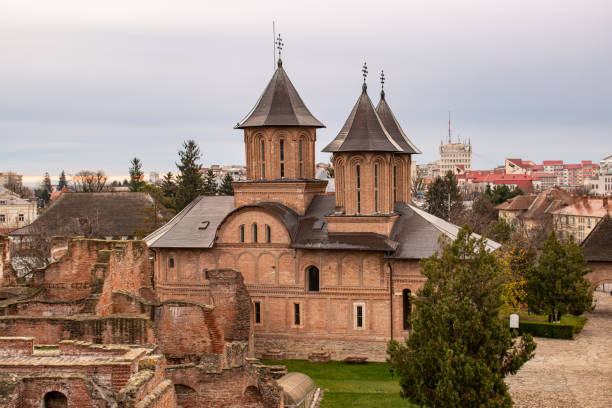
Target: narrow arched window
[
  {"x": 301, "y": 158},
  {"x": 268, "y": 234},
  {"x": 282, "y": 158},
  {"x": 254, "y": 232},
  {"x": 242, "y": 233},
  {"x": 376, "y": 206},
  {"x": 313, "y": 279},
  {"x": 171, "y": 262},
  {"x": 394, "y": 183},
  {"x": 263, "y": 159},
  {"x": 358, "y": 187},
  {"x": 407, "y": 308}
]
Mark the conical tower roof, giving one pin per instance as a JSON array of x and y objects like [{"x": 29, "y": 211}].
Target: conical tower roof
[
  {"x": 363, "y": 131},
  {"x": 279, "y": 105},
  {"x": 393, "y": 127}
]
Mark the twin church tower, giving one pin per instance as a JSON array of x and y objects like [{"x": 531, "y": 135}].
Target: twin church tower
[{"x": 371, "y": 158}]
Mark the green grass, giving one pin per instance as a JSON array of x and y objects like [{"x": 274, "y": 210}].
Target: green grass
[{"x": 351, "y": 385}]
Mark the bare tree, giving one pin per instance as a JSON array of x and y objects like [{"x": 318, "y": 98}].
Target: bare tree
[
  {"x": 87, "y": 181},
  {"x": 418, "y": 184}
]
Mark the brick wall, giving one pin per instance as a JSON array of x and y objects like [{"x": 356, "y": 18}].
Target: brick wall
[
  {"x": 16, "y": 346},
  {"x": 77, "y": 389}
]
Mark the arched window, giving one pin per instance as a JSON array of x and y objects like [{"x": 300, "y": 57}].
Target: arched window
[
  {"x": 171, "y": 262},
  {"x": 313, "y": 279},
  {"x": 254, "y": 232},
  {"x": 242, "y": 233},
  {"x": 55, "y": 399},
  {"x": 376, "y": 206},
  {"x": 263, "y": 159},
  {"x": 301, "y": 158},
  {"x": 358, "y": 187},
  {"x": 340, "y": 176},
  {"x": 407, "y": 308},
  {"x": 282, "y": 158},
  {"x": 268, "y": 234},
  {"x": 394, "y": 183}
]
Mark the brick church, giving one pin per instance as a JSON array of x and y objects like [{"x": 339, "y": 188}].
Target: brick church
[{"x": 327, "y": 273}]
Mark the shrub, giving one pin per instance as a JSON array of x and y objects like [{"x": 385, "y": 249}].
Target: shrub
[{"x": 545, "y": 329}]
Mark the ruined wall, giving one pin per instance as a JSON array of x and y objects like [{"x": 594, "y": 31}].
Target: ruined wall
[
  {"x": 129, "y": 270},
  {"x": 7, "y": 275},
  {"x": 101, "y": 330},
  {"x": 77, "y": 388},
  {"x": 601, "y": 272}
]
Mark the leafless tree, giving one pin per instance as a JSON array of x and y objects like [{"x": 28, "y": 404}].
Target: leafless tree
[
  {"x": 418, "y": 184},
  {"x": 87, "y": 181}
]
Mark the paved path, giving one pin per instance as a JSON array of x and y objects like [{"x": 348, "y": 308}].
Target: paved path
[{"x": 570, "y": 373}]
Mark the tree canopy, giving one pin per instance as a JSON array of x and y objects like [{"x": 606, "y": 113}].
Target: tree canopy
[
  {"x": 189, "y": 182},
  {"x": 226, "y": 187},
  {"x": 459, "y": 350},
  {"x": 557, "y": 284},
  {"x": 136, "y": 175},
  {"x": 210, "y": 184},
  {"x": 443, "y": 198},
  {"x": 501, "y": 193},
  {"x": 62, "y": 181}
]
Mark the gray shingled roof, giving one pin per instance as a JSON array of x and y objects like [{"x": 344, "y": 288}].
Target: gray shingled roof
[
  {"x": 93, "y": 215},
  {"x": 279, "y": 105},
  {"x": 597, "y": 247},
  {"x": 188, "y": 229},
  {"x": 363, "y": 131},
  {"x": 414, "y": 236},
  {"x": 393, "y": 127}
]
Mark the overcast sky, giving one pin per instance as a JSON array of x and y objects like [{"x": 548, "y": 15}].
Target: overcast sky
[{"x": 89, "y": 85}]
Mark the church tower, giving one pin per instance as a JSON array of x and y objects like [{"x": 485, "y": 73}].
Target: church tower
[
  {"x": 372, "y": 169},
  {"x": 279, "y": 138}
]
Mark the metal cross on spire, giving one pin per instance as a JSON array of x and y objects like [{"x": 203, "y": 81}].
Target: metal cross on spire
[
  {"x": 279, "y": 45},
  {"x": 382, "y": 79},
  {"x": 364, "y": 71}
]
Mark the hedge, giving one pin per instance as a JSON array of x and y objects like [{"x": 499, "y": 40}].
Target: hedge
[{"x": 545, "y": 329}]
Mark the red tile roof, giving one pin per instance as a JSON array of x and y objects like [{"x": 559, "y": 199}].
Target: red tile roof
[
  {"x": 552, "y": 162},
  {"x": 588, "y": 207}
]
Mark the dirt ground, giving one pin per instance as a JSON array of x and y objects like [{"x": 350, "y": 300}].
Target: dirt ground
[{"x": 570, "y": 373}]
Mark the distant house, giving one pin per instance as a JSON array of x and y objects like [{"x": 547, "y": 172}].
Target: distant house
[
  {"x": 579, "y": 219},
  {"x": 15, "y": 212},
  {"x": 108, "y": 215},
  {"x": 515, "y": 207}
]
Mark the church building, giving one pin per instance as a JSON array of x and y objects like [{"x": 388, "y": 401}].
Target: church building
[{"x": 327, "y": 273}]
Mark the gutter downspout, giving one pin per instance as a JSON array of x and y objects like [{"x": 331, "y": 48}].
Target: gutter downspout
[{"x": 391, "y": 298}]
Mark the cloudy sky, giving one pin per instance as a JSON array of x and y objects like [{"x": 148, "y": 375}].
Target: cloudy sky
[{"x": 89, "y": 85}]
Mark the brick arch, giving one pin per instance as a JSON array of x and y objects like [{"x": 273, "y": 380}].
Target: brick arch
[
  {"x": 267, "y": 268},
  {"x": 228, "y": 230},
  {"x": 55, "y": 399},
  {"x": 246, "y": 264},
  {"x": 601, "y": 272},
  {"x": 186, "y": 396},
  {"x": 286, "y": 269}
]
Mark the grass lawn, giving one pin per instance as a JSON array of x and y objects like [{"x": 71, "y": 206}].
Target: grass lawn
[{"x": 351, "y": 385}]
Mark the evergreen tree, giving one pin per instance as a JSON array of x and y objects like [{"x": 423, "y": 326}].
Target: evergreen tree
[
  {"x": 501, "y": 193},
  {"x": 210, "y": 184},
  {"x": 557, "y": 285},
  {"x": 442, "y": 197},
  {"x": 62, "y": 181},
  {"x": 460, "y": 350},
  {"x": 44, "y": 192},
  {"x": 47, "y": 183},
  {"x": 125, "y": 183},
  {"x": 189, "y": 183},
  {"x": 168, "y": 186},
  {"x": 136, "y": 175},
  {"x": 226, "y": 187}
]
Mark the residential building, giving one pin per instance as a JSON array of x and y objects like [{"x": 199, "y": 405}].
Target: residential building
[
  {"x": 579, "y": 219},
  {"x": 566, "y": 175},
  {"x": 511, "y": 210},
  {"x": 453, "y": 155},
  {"x": 601, "y": 183},
  {"x": 10, "y": 177},
  {"x": 15, "y": 212}
]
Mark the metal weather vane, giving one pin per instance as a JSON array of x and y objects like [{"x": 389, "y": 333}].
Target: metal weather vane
[{"x": 382, "y": 79}]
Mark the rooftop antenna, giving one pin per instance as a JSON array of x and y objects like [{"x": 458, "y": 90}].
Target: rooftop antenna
[
  {"x": 382, "y": 83},
  {"x": 449, "y": 128},
  {"x": 279, "y": 46}
]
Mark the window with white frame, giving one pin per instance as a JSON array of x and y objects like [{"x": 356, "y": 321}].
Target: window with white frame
[{"x": 359, "y": 315}]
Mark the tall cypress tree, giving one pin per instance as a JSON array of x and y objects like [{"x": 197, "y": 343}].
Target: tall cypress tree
[
  {"x": 443, "y": 198},
  {"x": 226, "y": 187},
  {"x": 210, "y": 184},
  {"x": 62, "y": 181},
  {"x": 189, "y": 182},
  {"x": 136, "y": 175},
  {"x": 460, "y": 350}
]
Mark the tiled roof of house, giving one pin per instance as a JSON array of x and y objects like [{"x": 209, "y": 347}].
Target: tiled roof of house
[
  {"x": 587, "y": 207},
  {"x": 597, "y": 247},
  {"x": 93, "y": 215},
  {"x": 518, "y": 203}
]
